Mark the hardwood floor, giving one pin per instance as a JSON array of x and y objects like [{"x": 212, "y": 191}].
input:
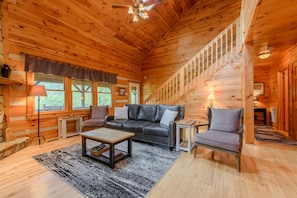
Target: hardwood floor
[{"x": 268, "y": 170}]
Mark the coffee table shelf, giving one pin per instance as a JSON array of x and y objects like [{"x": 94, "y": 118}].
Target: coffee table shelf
[
  {"x": 110, "y": 137},
  {"x": 105, "y": 160}
]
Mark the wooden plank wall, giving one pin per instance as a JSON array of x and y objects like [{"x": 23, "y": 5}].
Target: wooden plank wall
[{"x": 225, "y": 85}]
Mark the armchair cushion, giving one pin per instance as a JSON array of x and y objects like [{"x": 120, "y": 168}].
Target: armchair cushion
[
  {"x": 227, "y": 120},
  {"x": 99, "y": 112},
  {"x": 218, "y": 139},
  {"x": 94, "y": 122}
]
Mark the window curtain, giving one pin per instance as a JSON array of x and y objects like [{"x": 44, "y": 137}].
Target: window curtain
[{"x": 37, "y": 64}]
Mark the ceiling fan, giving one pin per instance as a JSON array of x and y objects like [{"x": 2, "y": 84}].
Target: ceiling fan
[{"x": 138, "y": 8}]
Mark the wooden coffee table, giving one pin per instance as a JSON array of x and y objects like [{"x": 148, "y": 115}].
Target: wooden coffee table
[{"x": 110, "y": 137}]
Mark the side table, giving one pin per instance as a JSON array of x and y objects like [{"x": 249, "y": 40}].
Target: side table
[
  {"x": 62, "y": 125},
  {"x": 188, "y": 125}
]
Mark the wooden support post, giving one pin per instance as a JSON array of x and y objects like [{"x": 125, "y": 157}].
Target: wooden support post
[{"x": 247, "y": 89}]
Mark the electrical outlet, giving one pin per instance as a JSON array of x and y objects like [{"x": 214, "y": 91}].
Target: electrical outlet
[{"x": 27, "y": 131}]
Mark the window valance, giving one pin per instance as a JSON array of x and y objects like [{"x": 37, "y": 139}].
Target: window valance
[{"x": 37, "y": 64}]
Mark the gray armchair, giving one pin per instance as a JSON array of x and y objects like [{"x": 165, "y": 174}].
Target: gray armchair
[
  {"x": 225, "y": 132},
  {"x": 98, "y": 117}
]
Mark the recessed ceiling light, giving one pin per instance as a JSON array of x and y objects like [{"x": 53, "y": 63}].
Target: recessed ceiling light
[{"x": 264, "y": 55}]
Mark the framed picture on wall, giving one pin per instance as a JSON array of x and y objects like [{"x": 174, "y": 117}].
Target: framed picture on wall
[
  {"x": 121, "y": 91},
  {"x": 259, "y": 88}
]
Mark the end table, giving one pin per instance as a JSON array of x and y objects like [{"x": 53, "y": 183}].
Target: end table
[{"x": 188, "y": 125}]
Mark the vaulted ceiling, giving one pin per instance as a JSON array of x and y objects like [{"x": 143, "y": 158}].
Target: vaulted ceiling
[
  {"x": 97, "y": 35},
  {"x": 80, "y": 24}
]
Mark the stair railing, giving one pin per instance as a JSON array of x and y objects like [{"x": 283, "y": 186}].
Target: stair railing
[{"x": 205, "y": 63}]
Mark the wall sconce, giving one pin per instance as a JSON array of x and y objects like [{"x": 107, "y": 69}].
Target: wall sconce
[
  {"x": 264, "y": 54},
  {"x": 211, "y": 98}
]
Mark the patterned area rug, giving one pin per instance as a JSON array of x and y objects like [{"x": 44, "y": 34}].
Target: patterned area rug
[
  {"x": 131, "y": 177},
  {"x": 268, "y": 134}
]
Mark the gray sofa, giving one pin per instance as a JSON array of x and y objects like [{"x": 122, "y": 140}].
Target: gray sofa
[{"x": 144, "y": 121}]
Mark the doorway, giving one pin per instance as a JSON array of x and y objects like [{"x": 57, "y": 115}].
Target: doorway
[
  {"x": 283, "y": 100},
  {"x": 134, "y": 90}
]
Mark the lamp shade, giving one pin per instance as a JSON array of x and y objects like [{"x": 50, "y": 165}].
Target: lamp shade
[
  {"x": 37, "y": 90},
  {"x": 211, "y": 97}
]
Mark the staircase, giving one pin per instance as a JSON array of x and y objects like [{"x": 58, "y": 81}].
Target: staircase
[{"x": 218, "y": 53}]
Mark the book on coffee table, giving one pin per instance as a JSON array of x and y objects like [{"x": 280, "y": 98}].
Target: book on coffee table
[
  {"x": 98, "y": 150},
  {"x": 117, "y": 153}
]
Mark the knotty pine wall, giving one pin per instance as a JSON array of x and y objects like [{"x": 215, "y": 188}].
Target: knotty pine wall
[{"x": 225, "y": 85}]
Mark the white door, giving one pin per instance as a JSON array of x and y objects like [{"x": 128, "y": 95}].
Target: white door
[{"x": 134, "y": 93}]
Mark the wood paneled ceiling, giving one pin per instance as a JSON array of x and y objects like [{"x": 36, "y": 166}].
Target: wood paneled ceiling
[
  {"x": 86, "y": 28},
  {"x": 94, "y": 33},
  {"x": 275, "y": 28}
]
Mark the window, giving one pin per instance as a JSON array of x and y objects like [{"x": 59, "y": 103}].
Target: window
[
  {"x": 104, "y": 93},
  {"x": 54, "y": 86},
  {"x": 81, "y": 94}
]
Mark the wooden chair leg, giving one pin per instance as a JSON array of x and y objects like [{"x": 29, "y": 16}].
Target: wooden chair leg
[
  {"x": 195, "y": 150},
  {"x": 238, "y": 163}
]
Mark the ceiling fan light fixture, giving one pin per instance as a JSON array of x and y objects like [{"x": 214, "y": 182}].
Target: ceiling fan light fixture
[
  {"x": 138, "y": 8},
  {"x": 141, "y": 7},
  {"x": 264, "y": 55},
  {"x": 130, "y": 10},
  {"x": 135, "y": 19},
  {"x": 143, "y": 15}
]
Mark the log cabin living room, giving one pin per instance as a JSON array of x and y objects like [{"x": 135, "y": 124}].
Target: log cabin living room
[{"x": 193, "y": 53}]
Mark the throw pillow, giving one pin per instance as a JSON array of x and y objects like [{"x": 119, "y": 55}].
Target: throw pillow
[
  {"x": 168, "y": 116},
  {"x": 120, "y": 113},
  {"x": 161, "y": 109}
]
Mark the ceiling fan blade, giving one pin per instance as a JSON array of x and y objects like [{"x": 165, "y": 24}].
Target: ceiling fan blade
[
  {"x": 151, "y": 2},
  {"x": 149, "y": 7},
  {"x": 120, "y": 6}
]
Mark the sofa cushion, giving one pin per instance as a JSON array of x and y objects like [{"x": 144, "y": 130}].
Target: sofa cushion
[
  {"x": 134, "y": 126},
  {"x": 219, "y": 118},
  {"x": 161, "y": 109},
  {"x": 156, "y": 129},
  {"x": 121, "y": 113},
  {"x": 147, "y": 113},
  {"x": 219, "y": 139},
  {"x": 133, "y": 110},
  {"x": 168, "y": 117},
  {"x": 115, "y": 124}
]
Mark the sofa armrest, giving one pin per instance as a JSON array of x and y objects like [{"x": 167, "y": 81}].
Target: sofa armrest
[{"x": 172, "y": 134}]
